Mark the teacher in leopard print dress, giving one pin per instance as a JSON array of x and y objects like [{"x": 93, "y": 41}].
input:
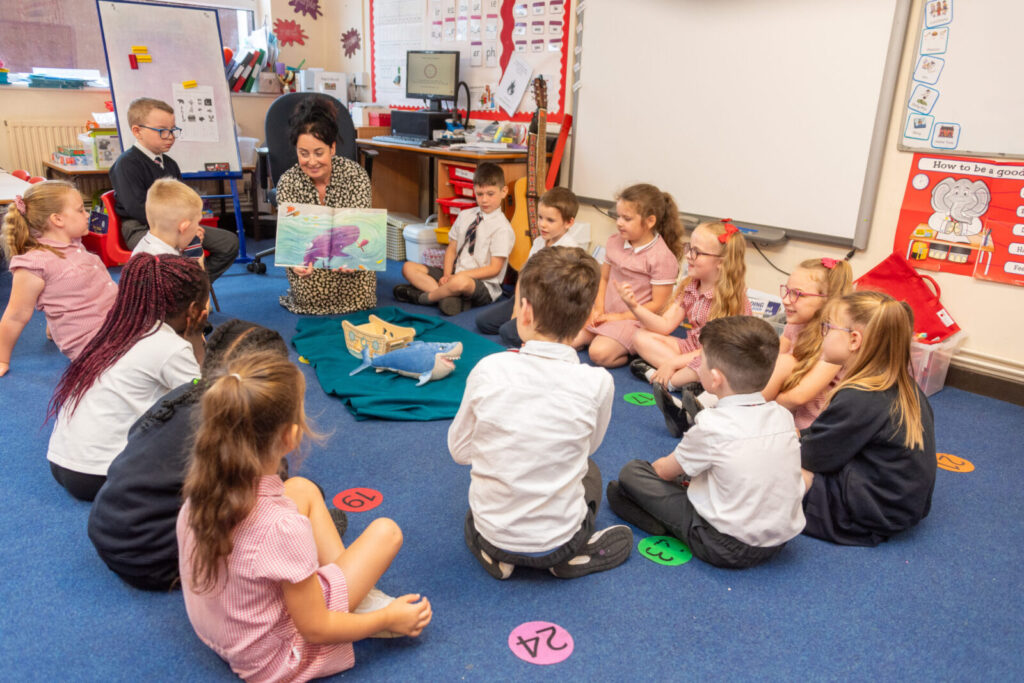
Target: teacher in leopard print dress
[{"x": 322, "y": 178}]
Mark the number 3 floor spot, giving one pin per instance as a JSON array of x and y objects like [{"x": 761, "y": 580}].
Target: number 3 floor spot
[
  {"x": 665, "y": 550},
  {"x": 358, "y": 499},
  {"x": 953, "y": 463},
  {"x": 540, "y": 642}
]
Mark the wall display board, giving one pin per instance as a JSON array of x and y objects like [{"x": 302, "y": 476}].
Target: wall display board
[
  {"x": 771, "y": 113},
  {"x": 487, "y": 33},
  {"x": 173, "y": 53},
  {"x": 964, "y": 94},
  {"x": 965, "y": 216}
]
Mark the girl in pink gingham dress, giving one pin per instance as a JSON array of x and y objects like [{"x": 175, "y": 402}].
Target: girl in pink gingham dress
[
  {"x": 802, "y": 380},
  {"x": 644, "y": 253},
  {"x": 715, "y": 287},
  {"x": 268, "y": 584},
  {"x": 52, "y": 271}
]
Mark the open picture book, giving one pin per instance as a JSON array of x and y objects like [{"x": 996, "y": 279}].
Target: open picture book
[{"x": 323, "y": 237}]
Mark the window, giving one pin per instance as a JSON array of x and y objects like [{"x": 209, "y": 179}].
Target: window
[{"x": 66, "y": 33}]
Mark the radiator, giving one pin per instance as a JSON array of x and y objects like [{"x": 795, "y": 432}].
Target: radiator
[{"x": 33, "y": 141}]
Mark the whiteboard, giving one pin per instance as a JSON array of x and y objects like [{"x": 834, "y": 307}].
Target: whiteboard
[
  {"x": 772, "y": 113},
  {"x": 964, "y": 94},
  {"x": 184, "y": 45}
]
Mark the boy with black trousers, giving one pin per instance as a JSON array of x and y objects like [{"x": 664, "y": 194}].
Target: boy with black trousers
[
  {"x": 152, "y": 124},
  {"x": 732, "y": 490},
  {"x": 534, "y": 491}
]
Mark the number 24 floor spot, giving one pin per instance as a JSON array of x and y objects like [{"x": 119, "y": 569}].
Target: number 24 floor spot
[
  {"x": 666, "y": 550},
  {"x": 953, "y": 463},
  {"x": 358, "y": 499},
  {"x": 540, "y": 642}
]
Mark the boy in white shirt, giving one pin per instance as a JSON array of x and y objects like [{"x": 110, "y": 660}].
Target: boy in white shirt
[
  {"x": 477, "y": 255},
  {"x": 173, "y": 212},
  {"x": 534, "y": 491},
  {"x": 556, "y": 213},
  {"x": 732, "y": 490}
]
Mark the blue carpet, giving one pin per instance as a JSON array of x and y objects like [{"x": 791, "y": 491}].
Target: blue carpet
[{"x": 941, "y": 602}]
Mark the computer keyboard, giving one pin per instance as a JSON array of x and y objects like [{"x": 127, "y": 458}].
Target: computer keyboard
[{"x": 412, "y": 140}]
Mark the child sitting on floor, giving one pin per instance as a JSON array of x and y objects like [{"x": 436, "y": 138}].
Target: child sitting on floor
[
  {"x": 556, "y": 213},
  {"x": 869, "y": 458},
  {"x": 150, "y": 343},
  {"x": 479, "y": 243},
  {"x": 52, "y": 271},
  {"x": 534, "y": 491},
  {"x": 731, "y": 490},
  {"x": 173, "y": 211},
  {"x": 268, "y": 584}
]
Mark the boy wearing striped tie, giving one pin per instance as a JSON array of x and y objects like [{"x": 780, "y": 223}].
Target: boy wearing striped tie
[{"x": 478, "y": 247}]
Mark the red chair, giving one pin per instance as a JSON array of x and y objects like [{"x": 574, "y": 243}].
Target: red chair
[
  {"x": 21, "y": 174},
  {"x": 36, "y": 179},
  {"x": 110, "y": 247}
]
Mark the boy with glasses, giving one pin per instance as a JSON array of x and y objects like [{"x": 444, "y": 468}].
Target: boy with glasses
[{"x": 152, "y": 124}]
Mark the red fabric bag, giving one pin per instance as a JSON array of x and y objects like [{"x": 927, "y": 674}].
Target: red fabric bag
[{"x": 898, "y": 279}]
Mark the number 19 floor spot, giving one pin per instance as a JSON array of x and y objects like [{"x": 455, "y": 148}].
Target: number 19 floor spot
[
  {"x": 666, "y": 550},
  {"x": 358, "y": 499},
  {"x": 540, "y": 642}
]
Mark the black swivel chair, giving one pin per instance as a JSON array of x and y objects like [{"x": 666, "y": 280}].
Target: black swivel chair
[{"x": 281, "y": 153}]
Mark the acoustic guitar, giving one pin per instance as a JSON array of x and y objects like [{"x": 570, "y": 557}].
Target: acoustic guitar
[{"x": 526, "y": 194}]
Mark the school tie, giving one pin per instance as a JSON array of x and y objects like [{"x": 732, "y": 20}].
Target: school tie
[
  {"x": 471, "y": 232},
  {"x": 159, "y": 161}
]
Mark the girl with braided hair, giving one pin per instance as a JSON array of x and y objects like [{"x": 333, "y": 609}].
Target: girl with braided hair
[
  {"x": 52, "y": 271},
  {"x": 150, "y": 342}
]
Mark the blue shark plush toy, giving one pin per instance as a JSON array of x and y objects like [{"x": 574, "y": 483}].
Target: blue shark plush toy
[{"x": 424, "y": 360}]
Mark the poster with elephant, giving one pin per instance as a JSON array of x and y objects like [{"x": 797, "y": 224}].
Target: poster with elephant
[
  {"x": 322, "y": 237},
  {"x": 964, "y": 216}
]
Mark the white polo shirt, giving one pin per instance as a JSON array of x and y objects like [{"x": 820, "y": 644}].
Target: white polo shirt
[
  {"x": 151, "y": 244},
  {"x": 743, "y": 457},
  {"x": 87, "y": 440},
  {"x": 527, "y": 424}
]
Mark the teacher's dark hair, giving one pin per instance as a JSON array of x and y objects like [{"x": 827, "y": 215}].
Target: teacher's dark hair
[{"x": 316, "y": 116}]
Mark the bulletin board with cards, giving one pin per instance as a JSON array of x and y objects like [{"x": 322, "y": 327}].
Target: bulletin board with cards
[
  {"x": 491, "y": 35},
  {"x": 964, "y": 94}
]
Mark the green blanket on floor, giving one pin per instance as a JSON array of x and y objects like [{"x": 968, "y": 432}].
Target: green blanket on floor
[{"x": 387, "y": 395}]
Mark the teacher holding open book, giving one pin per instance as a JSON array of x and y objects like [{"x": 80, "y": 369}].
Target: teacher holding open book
[{"x": 324, "y": 179}]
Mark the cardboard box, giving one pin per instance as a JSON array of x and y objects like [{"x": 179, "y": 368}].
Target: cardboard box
[{"x": 269, "y": 83}]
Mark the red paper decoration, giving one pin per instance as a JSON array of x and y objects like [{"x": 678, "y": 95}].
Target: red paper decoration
[{"x": 289, "y": 32}]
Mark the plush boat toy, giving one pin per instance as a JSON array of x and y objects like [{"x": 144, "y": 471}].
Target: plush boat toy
[{"x": 423, "y": 360}]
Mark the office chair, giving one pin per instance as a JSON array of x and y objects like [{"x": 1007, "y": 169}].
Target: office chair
[{"x": 281, "y": 154}]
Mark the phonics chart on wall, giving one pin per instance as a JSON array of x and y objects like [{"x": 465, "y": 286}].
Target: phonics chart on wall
[{"x": 964, "y": 93}]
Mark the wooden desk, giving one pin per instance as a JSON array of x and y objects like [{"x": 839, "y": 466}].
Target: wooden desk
[{"x": 409, "y": 179}]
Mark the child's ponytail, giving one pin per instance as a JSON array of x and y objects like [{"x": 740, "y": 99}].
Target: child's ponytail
[
  {"x": 27, "y": 218},
  {"x": 650, "y": 201},
  {"x": 245, "y": 411},
  {"x": 835, "y": 280},
  {"x": 883, "y": 360},
  {"x": 152, "y": 289}
]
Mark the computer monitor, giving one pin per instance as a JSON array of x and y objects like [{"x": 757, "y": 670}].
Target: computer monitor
[{"x": 432, "y": 75}]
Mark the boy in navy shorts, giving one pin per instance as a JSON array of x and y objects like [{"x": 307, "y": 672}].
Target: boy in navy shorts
[{"x": 477, "y": 256}]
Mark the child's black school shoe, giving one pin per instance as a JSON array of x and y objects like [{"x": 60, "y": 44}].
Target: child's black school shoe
[
  {"x": 406, "y": 294},
  {"x": 676, "y": 419},
  {"x": 639, "y": 367},
  {"x": 499, "y": 570},
  {"x": 628, "y": 511},
  {"x": 450, "y": 305},
  {"x": 606, "y": 549},
  {"x": 340, "y": 520},
  {"x": 689, "y": 401}
]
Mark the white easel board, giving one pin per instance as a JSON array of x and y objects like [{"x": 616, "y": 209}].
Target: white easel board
[
  {"x": 964, "y": 94},
  {"x": 185, "y": 69}
]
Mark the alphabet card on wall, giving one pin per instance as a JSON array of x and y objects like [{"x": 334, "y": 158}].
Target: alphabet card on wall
[{"x": 964, "y": 216}]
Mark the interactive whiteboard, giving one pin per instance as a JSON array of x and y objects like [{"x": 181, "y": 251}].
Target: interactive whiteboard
[
  {"x": 174, "y": 54},
  {"x": 770, "y": 113}
]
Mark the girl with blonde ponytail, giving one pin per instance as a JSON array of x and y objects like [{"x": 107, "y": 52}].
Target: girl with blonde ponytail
[
  {"x": 268, "y": 584},
  {"x": 869, "y": 458},
  {"x": 53, "y": 272}
]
